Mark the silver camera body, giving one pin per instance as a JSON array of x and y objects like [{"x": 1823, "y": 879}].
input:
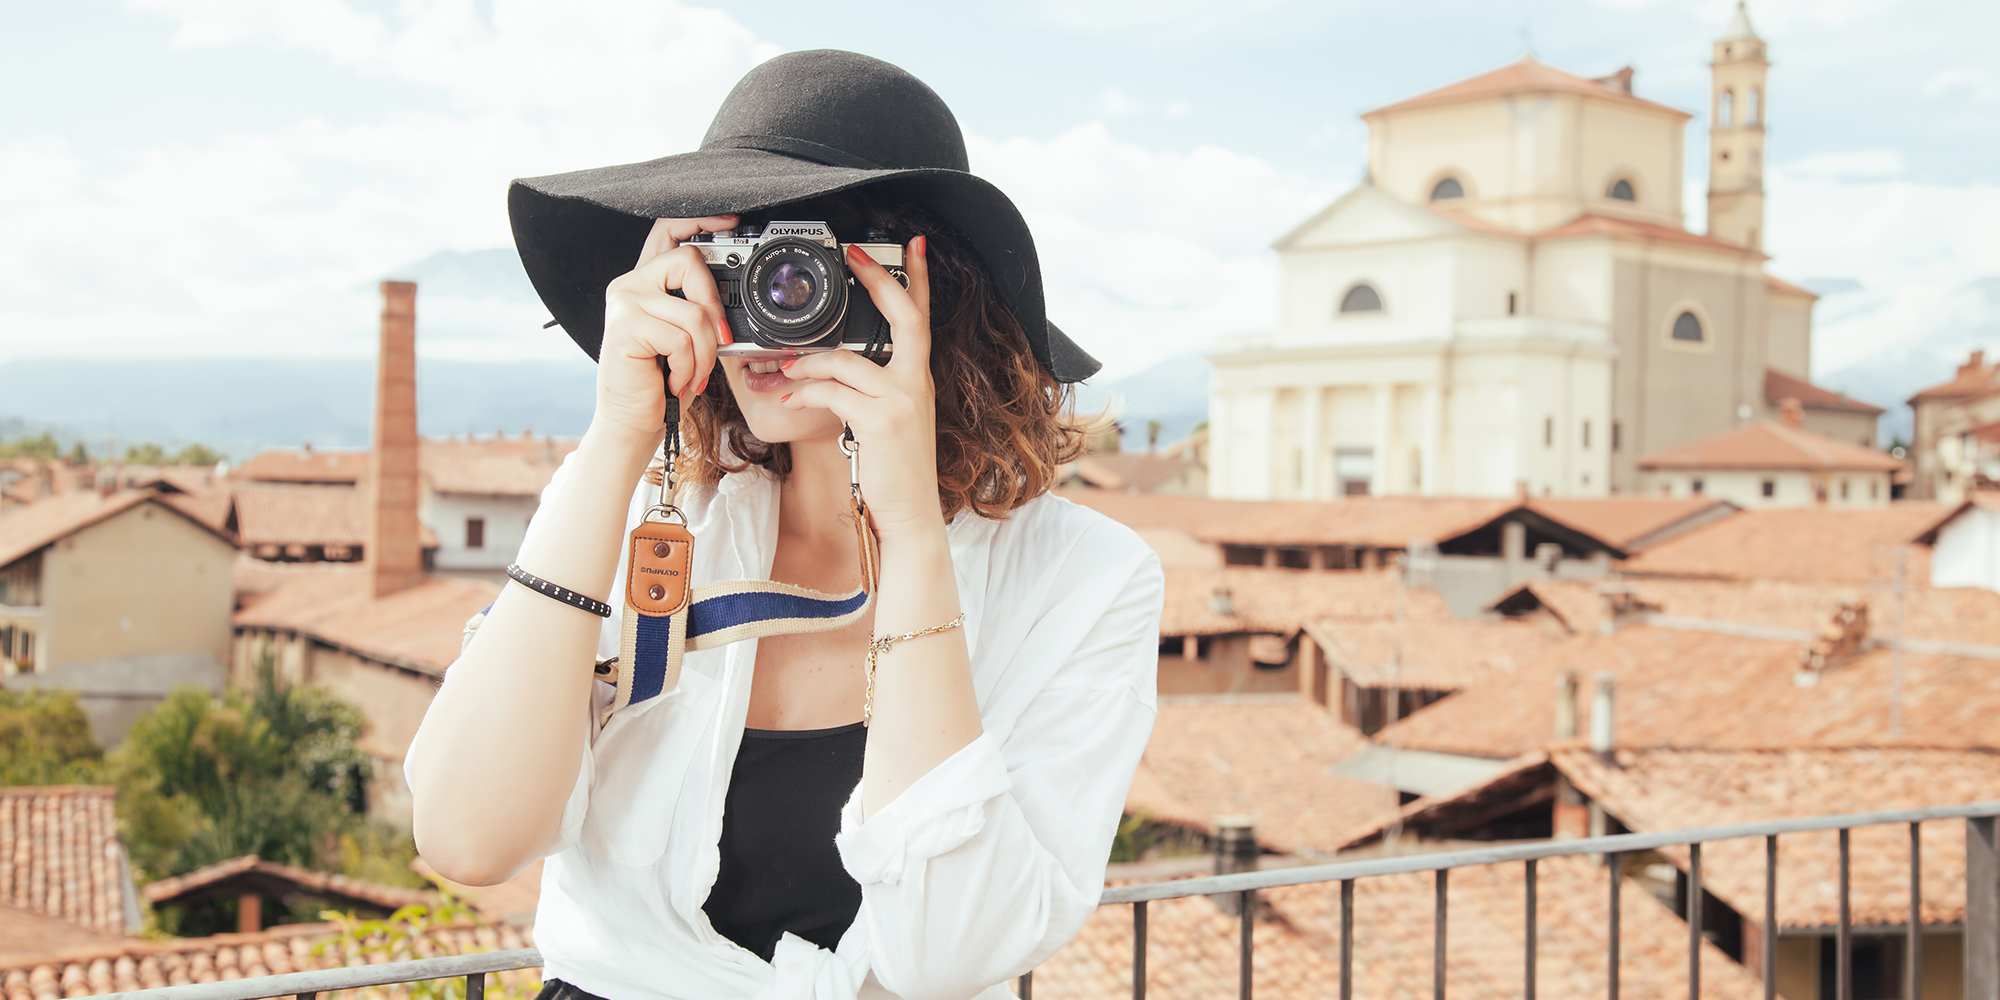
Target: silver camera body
[{"x": 786, "y": 289}]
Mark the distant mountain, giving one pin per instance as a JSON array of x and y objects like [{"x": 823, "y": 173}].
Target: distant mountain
[
  {"x": 1173, "y": 392},
  {"x": 242, "y": 406}
]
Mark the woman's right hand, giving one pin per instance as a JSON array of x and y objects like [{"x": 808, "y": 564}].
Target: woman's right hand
[{"x": 643, "y": 323}]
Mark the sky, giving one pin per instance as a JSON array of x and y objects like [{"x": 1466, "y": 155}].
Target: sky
[{"x": 229, "y": 178}]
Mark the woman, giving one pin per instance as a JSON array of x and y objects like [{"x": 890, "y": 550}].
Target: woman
[{"x": 742, "y": 833}]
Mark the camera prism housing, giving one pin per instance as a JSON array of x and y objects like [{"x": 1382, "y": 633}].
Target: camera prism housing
[{"x": 786, "y": 289}]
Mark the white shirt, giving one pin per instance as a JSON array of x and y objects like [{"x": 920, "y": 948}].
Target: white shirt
[{"x": 976, "y": 873}]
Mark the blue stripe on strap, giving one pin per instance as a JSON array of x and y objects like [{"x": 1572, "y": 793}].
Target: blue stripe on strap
[
  {"x": 649, "y": 666},
  {"x": 731, "y": 610}
]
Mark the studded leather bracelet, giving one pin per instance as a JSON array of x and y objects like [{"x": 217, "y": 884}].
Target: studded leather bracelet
[{"x": 563, "y": 594}]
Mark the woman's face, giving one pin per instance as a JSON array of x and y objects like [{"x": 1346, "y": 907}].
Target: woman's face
[{"x": 757, "y": 395}]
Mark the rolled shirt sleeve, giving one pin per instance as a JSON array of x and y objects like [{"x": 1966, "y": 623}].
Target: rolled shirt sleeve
[{"x": 993, "y": 860}]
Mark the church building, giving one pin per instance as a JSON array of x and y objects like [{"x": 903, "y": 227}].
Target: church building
[{"x": 1511, "y": 301}]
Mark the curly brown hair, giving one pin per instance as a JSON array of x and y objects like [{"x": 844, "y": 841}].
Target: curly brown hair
[{"x": 1003, "y": 422}]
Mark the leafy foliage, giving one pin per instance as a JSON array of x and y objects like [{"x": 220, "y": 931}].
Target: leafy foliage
[
  {"x": 274, "y": 772},
  {"x": 45, "y": 740},
  {"x": 148, "y": 453},
  {"x": 42, "y": 446},
  {"x": 398, "y": 938}
]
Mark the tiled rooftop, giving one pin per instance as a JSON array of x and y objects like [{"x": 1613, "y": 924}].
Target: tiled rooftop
[
  {"x": 60, "y": 856},
  {"x": 251, "y": 873},
  {"x": 419, "y": 627},
  {"x": 1264, "y": 758},
  {"x": 32, "y": 526},
  {"x": 288, "y": 465},
  {"x": 1661, "y": 789},
  {"x": 1434, "y": 652},
  {"x": 1192, "y": 946},
  {"x": 1524, "y": 76},
  {"x": 1821, "y": 544},
  {"x": 493, "y": 466},
  {"x": 1278, "y": 601},
  {"x": 1626, "y": 520},
  {"x": 1768, "y": 444},
  {"x": 1779, "y": 386},
  {"x": 290, "y": 514}
]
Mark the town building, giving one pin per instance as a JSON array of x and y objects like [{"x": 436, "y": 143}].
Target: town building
[
  {"x": 1511, "y": 301},
  {"x": 1773, "y": 463},
  {"x": 1955, "y": 433},
  {"x": 121, "y": 597}
]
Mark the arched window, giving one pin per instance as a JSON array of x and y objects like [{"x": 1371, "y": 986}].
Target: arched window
[
  {"x": 1722, "y": 103},
  {"x": 1621, "y": 190},
  {"x": 1753, "y": 107},
  {"x": 1687, "y": 328},
  {"x": 1361, "y": 299},
  {"x": 1447, "y": 188}
]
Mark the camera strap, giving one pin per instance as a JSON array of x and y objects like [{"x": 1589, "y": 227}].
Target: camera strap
[{"x": 665, "y": 616}]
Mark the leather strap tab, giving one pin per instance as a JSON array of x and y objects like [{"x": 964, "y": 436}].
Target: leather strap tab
[{"x": 658, "y": 574}]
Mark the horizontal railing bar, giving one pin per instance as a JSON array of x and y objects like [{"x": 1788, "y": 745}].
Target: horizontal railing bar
[
  {"x": 345, "y": 978},
  {"x": 1623, "y": 842}
]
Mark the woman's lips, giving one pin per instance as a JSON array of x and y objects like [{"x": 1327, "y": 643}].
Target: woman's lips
[{"x": 764, "y": 381}]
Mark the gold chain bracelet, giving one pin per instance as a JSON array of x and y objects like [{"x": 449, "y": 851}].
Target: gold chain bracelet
[{"x": 880, "y": 644}]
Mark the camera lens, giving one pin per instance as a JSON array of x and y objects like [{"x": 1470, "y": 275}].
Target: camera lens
[{"x": 790, "y": 287}]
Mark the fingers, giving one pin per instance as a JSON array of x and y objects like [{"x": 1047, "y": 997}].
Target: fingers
[
  {"x": 909, "y": 323},
  {"x": 682, "y": 268},
  {"x": 846, "y": 402},
  {"x": 668, "y": 234},
  {"x": 843, "y": 366},
  {"x": 690, "y": 343}
]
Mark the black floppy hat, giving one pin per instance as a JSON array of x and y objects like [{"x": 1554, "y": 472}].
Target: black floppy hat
[{"x": 799, "y": 126}]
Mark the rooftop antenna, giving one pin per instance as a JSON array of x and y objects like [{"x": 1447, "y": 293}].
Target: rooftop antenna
[{"x": 1527, "y": 41}]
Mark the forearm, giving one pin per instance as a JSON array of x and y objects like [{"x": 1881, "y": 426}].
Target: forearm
[
  {"x": 500, "y": 747},
  {"x": 925, "y": 709}
]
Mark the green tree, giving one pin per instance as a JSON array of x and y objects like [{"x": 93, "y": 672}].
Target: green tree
[
  {"x": 274, "y": 772},
  {"x": 45, "y": 740},
  {"x": 145, "y": 453},
  {"x": 198, "y": 454},
  {"x": 78, "y": 455},
  {"x": 43, "y": 446}
]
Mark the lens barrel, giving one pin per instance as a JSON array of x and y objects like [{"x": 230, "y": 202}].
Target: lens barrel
[{"x": 795, "y": 292}]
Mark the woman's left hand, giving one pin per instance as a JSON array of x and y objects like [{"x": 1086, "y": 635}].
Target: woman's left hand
[{"x": 892, "y": 408}]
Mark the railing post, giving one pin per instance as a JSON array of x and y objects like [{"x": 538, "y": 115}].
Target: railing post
[
  {"x": 1913, "y": 941},
  {"x": 1528, "y": 959},
  {"x": 1982, "y": 910},
  {"x": 475, "y": 986},
  {"x": 1843, "y": 933},
  {"x": 1438, "y": 936},
  {"x": 1694, "y": 921},
  {"x": 1770, "y": 941},
  {"x": 1614, "y": 863},
  {"x": 1248, "y": 915},
  {"x": 1139, "y": 950},
  {"x": 1347, "y": 939}
]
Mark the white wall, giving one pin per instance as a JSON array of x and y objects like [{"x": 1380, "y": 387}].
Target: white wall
[
  {"x": 1791, "y": 487},
  {"x": 1967, "y": 553},
  {"x": 506, "y": 525}
]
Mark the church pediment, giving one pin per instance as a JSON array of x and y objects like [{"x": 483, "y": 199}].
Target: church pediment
[{"x": 1365, "y": 215}]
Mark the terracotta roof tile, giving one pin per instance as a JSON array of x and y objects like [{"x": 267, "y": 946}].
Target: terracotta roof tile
[
  {"x": 1436, "y": 653},
  {"x": 1527, "y": 76},
  {"x": 60, "y": 855},
  {"x": 418, "y": 628},
  {"x": 1768, "y": 444},
  {"x": 1280, "y": 601},
  {"x": 1467, "y": 220},
  {"x": 1974, "y": 378},
  {"x": 1134, "y": 471},
  {"x": 1787, "y": 288},
  {"x": 1264, "y": 758},
  {"x": 291, "y": 514},
  {"x": 1679, "y": 688},
  {"x": 1662, "y": 789},
  {"x": 1192, "y": 952},
  {"x": 27, "y": 936},
  {"x": 1824, "y": 544},
  {"x": 1604, "y": 225},
  {"x": 251, "y": 873},
  {"x": 1625, "y": 520},
  {"x": 1381, "y": 522},
  {"x": 287, "y": 465},
  {"x": 137, "y": 963},
  {"x": 1160, "y": 510},
  {"x": 491, "y": 467},
  {"x": 1779, "y": 386}
]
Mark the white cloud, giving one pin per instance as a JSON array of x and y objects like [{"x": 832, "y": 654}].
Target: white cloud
[
  {"x": 1848, "y": 163},
  {"x": 1147, "y": 253},
  {"x": 1976, "y": 84}
]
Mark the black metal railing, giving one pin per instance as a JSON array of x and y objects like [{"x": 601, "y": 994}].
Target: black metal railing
[{"x": 1981, "y": 924}]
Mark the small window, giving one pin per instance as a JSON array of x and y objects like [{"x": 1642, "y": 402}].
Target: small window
[
  {"x": 1843, "y": 489},
  {"x": 1586, "y": 434},
  {"x": 1512, "y": 301},
  {"x": 1617, "y": 433},
  {"x": 1621, "y": 190},
  {"x": 1361, "y": 299},
  {"x": 1722, "y": 106},
  {"x": 1752, "y": 109},
  {"x": 1770, "y": 487},
  {"x": 475, "y": 532},
  {"x": 1695, "y": 487},
  {"x": 1874, "y": 490},
  {"x": 1687, "y": 329},
  {"x": 1447, "y": 188},
  {"x": 1548, "y": 432},
  {"x": 1354, "y": 468}
]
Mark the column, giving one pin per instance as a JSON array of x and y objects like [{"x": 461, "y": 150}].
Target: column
[
  {"x": 1433, "y": 436},
  {"x": 1309, "y": 440},
  {"x": 1378, "y": 481},
  {"x": 1220, "y": 448}
]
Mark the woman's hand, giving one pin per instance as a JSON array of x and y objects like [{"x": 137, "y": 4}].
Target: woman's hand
[
  {"x": 892, "y": 408},
  {"x": 642, "y": 323}
]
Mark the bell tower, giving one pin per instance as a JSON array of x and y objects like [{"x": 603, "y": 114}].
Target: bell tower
[{"x": 1738, "y": 108}]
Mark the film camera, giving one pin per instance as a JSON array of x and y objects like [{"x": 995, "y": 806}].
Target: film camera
[{"x": 786, "y": 290}]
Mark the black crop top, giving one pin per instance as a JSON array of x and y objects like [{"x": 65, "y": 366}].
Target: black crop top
[{"x": 780, "y": 871}]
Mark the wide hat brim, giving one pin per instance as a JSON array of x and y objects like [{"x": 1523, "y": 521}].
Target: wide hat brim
[{"x": 577, "y": 231}]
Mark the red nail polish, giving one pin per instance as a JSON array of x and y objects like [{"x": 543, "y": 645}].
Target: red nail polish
[
  {"x": 786, "y": 398},
  {"x": 856, "y": 252},
  {"x": 788, "y": 363},
  {"x": 922, "y": 245}
]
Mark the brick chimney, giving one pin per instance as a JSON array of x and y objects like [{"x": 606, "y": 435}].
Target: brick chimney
[{"x": 394, "y": 553}]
